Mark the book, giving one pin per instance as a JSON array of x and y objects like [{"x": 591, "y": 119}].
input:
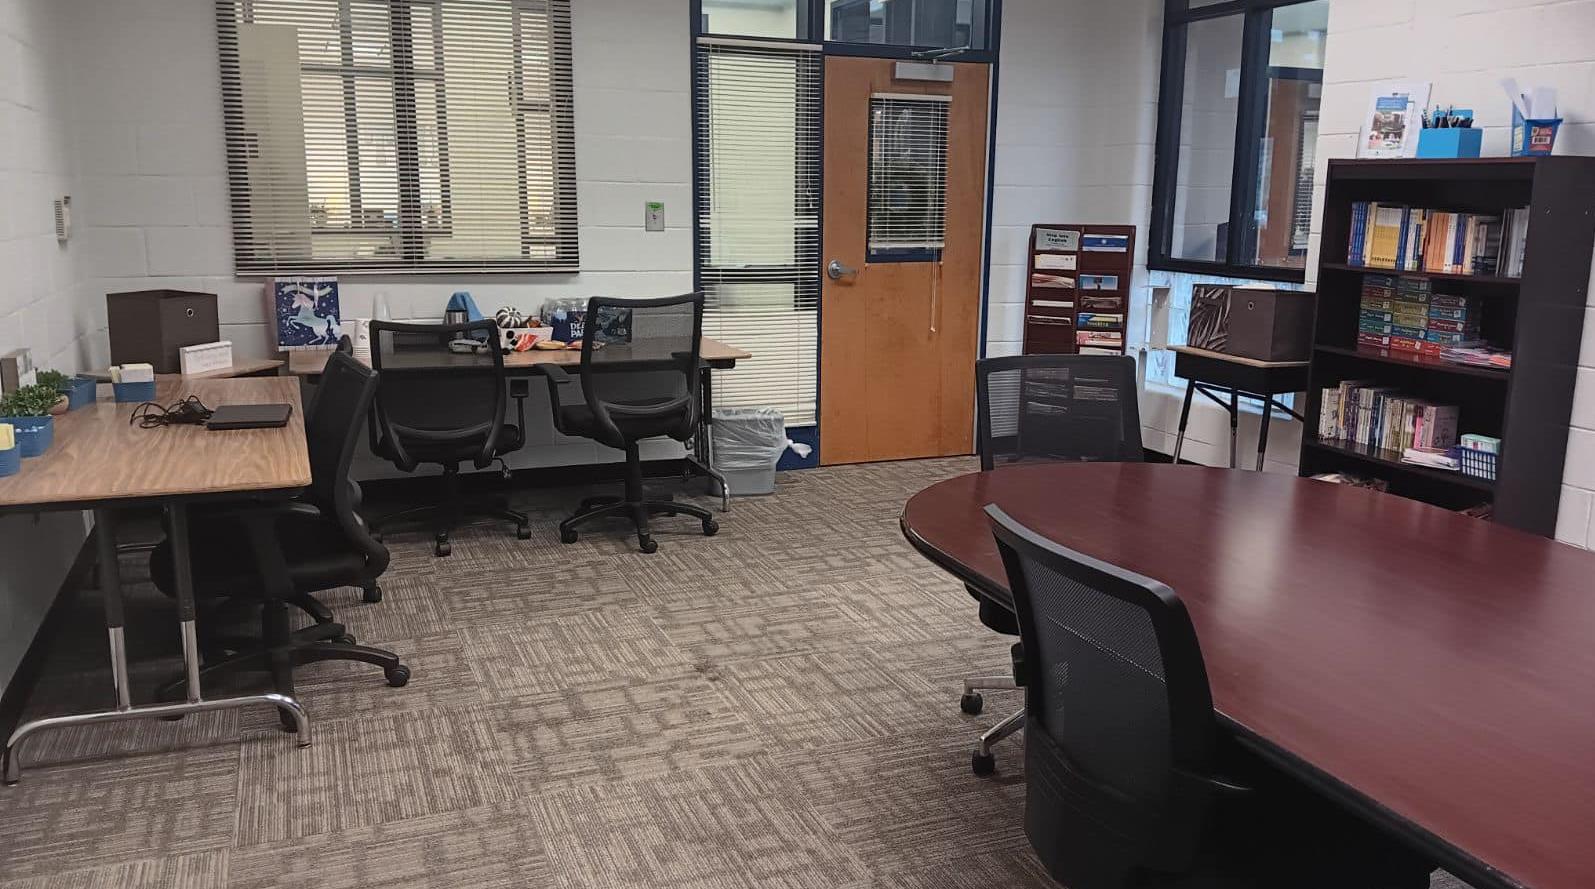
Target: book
[
  {"x": 305, "y": 313},
  {"x": 1099, "y": 321}
]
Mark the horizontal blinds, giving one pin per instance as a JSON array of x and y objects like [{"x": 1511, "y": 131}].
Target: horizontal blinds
[
  {"x": 399, "y": 135},
  {"x": 757, "y": 187},
  {"x": 908, "y": 172}
]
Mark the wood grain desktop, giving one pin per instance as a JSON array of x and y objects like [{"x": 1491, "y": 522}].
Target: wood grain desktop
[
  {"x": 99, "y": 457},
  {"x": 1431, "y": 670}
]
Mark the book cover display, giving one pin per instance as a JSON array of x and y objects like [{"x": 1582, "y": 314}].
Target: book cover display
[{"x": 305, "y": 312}]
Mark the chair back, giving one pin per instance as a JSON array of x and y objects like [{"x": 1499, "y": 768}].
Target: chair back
[
  {"x": 1119, "y": 716},
  {"x": 1057, "y": 407},
  {"x": 343, "y": 399},
  {"x": 640, "y": 360},
  {"x": 430, "y": 393}
]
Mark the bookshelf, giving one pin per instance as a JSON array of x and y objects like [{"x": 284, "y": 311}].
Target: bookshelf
[{"x": 1539, "y": 316}]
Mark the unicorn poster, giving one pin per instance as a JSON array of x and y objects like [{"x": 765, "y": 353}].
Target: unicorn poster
[{"x": 306, "y": 312}]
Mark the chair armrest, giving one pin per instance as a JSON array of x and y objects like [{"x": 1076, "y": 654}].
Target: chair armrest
[
  {"x": 556, "y": 374},
  {"x": 274, "y": 508}
]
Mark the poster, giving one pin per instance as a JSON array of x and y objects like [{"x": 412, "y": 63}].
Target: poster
[{"x": 1394, "y": 120}]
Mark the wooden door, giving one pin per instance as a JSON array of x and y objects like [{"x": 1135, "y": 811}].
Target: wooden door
[{"x": 899, "y": 332}]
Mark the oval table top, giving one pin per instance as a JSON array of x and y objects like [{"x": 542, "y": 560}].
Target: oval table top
[{"x": 1430, "y": 669}]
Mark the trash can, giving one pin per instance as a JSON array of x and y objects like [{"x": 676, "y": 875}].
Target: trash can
[{"x": 748, "y": 442}]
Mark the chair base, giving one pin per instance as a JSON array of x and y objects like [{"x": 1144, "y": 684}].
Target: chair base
[
  {"x": 450, "y": 513},
  {"x": 982, "y": 761},
  {"x": 595, "y": 508}
]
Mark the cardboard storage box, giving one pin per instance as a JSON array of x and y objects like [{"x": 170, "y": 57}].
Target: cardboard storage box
[
  {"x": 1261, "y": 323},
  {"x": 152, "y": 326}
]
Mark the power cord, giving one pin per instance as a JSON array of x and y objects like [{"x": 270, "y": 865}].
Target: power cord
[{"x": 188, "y": 412}]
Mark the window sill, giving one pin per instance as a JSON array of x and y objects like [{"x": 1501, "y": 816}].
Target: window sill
[{"x": 1225, "y": 270}]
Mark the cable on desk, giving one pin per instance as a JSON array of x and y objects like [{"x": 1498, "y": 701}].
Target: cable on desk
[{"x": 188, "y": 412}]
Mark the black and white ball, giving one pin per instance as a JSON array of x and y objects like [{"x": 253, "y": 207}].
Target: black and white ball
[{"x": 509, "y": 316}]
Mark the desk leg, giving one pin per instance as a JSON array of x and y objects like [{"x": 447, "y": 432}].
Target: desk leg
[
  {"x": 1262, "y": 434},
  {"x": 702, "y": 456},
  {"x": 111, "y": 594},
  {"x": 1234, "y": 424},
  {"x": 1185, "y": 417}
]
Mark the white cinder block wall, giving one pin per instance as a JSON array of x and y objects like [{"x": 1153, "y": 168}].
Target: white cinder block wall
[
  {"x": 151, "y": 149},
  {"x": 1464, "y": 47},
  {"x": 40, "y": 293}
]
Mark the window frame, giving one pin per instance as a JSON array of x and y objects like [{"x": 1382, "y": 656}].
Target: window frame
[
  {"x": 411, "y": 230},
  {"x": 811, "y": 31},
  {"x": 1250, "y": 128}
]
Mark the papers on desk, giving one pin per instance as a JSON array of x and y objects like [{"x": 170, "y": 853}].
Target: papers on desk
[{"x": 1430, "y": 458}]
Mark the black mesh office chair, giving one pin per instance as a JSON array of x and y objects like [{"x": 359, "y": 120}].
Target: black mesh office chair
[
  {"x": 1129, "y": 782},
  {"x": 272, "y": 555},
  {"x": 639, "y": 379},
  {"x": 1041, "y": 408},
  {"x": 444, "y": 407}
]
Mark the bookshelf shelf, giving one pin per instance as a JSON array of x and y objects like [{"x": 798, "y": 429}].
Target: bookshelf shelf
[
  {"x": 1485, "y": 280},
  {"x": 1410, "y": 359},
  {"x": 1391, "y": 460},
  {"x": 1538, "y": 315}
]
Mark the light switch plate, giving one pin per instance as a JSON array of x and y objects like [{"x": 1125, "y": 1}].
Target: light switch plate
[{"x": 654, "y": 216}]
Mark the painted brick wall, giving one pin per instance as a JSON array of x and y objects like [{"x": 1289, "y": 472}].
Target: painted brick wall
[{"x": 1465, "y": 47}]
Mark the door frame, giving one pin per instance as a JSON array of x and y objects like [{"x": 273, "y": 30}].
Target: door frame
[{"x": 812, "y": 12}]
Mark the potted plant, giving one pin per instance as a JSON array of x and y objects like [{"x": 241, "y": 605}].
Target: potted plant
[
  {"x": 79, "y": 391},
  {"x": 28, "y": 411}
]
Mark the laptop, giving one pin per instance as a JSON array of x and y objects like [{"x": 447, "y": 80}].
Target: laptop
[{"x": 250, "y": 416}]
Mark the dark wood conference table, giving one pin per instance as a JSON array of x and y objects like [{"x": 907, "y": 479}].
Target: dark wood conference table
[{"x": 1433, "y": 672}]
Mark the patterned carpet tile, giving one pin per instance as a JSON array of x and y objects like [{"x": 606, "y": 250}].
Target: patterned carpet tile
[
  {"x": 376, "y": 770},
  {"x": 118, "y": 810},
  {"x": 621, "y": 731},
  {"x": 735, "y": 827},
  {"x": 760, "y": 626},
  {"x": 201, "y": 870},
  {"x": 86, "y": 743},
  {"x": 570, "y": 650},
  {"x": 486, "y": 847}
]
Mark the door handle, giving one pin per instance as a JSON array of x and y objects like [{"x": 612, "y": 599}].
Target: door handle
[{"x": 836, "y": 271}]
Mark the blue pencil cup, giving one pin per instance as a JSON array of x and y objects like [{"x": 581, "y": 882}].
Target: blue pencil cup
[
  {"x": 1450, "y": 142},
  {"x": 80, "y": 392},
  {"x": 10, "y": 461},
  {"x": 134, "y": 393},
  {"x": 1533, "y": 137},
  {"x": 34, "y": 434}
]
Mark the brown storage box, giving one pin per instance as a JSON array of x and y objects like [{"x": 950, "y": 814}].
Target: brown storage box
[
  {"x": 150, "y": 326},
  {"x": 1259, "y": 323}
]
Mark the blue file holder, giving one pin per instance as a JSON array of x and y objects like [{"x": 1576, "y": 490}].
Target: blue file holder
[
  {"x": 1437, "y": 143},
  {"x": 134, "y": 393},
  {"x": 1533, "y": 137}
]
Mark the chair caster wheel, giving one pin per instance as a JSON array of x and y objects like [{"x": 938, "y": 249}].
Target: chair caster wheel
[
  {"x": 971, "y": 703},
  {"x": 442, "y": 548},
  {"x": 372, "y": 594},
  {"x": 710, "y": 527},
  {"x": 983, "y": 764},
  {"x": 523, "y": 532},
  {"x": 398, "y": 677},
  {"x": 648, "y": 544},
  {"x": 345, "y": 639},
  {"x": 567, "y": 536}
]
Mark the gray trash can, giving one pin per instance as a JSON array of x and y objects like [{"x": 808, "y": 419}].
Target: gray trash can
[{"x": 748, "y": 442}]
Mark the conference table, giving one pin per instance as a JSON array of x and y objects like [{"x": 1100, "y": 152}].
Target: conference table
[{"x": 1433, "y": 672}]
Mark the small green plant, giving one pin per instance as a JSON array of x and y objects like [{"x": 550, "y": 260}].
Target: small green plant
[
  {"x": 29, "y": 401},
  {"x": 53, "y": 379}
]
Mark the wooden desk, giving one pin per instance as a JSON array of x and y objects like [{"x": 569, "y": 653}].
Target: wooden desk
[
  {"x": 1431, "y": 671},
  {"x": 100, "y": 461},
  {"x": 262, "y": 367},
  {"x": 713, "y": 352},
  {"x": 1238, "y": 378}
]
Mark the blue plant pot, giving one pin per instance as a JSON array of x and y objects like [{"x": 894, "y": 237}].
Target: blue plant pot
[
  {"x": 134, "y": 393},
  {"x": 34, "y": 434},
  {"x": 10, "y": 461},
  {"x": 79, "y": 391}
]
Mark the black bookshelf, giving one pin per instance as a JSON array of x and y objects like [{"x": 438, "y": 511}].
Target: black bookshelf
[{"x": 1539, "y": 316}]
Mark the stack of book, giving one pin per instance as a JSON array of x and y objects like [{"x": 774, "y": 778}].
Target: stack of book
[
  {"x": 1405, "y": 314},
  {"x": 1409, "y": 239},
  {"x": 1360, "y": 413}
]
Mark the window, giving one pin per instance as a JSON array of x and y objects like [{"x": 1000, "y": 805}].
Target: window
[
  {"x": 907, "y": 178},
  {"x": 894, "y": 28},
  {"x": 1237, "y": 127},
  {"x": 399, "y": 135},
  {"x": 757, "y": 184}
]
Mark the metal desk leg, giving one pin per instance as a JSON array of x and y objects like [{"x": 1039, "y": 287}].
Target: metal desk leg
[
  {"x": 1262, "y": 434},
  {"x": 1185, "y": 417},
  {"x": 702, "y": 456},
  {"x": 1234, "y": 424},
  {"x": 111, "y": 593}
]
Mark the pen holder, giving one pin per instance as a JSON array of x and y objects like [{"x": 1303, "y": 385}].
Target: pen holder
[
  {"x": 34, "y": 434},
  {"x": 10, "y": 461},
  {"x": 134, "y": 393},
  {"x": 79, "y": 391},
  {"x": 1435, "y": 143},
  {"x": 1533, "y": 137}
]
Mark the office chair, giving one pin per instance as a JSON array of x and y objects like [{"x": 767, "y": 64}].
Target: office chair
[
  {"x": 1040, "y": 408},
  {"x": 642, "y": 384},
  {"x": 273, "y": 554},
  {"x": 444, "y": 407},
  {"x": 1129, "y": 782}
]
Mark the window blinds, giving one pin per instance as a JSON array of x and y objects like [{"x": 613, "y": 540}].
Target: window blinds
[
  {"x": 758, "y": 193},
  {"x": 908, "y": 173},
  {"x": 399, "y": 135}
]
